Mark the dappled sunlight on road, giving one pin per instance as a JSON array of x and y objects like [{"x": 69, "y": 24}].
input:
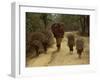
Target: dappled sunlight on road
[{"x": 63, "y": 57}]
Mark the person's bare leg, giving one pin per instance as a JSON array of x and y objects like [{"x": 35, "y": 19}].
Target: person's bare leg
[
  {"x": 79, "y": 56},
  {"x": 71, "y": 50},
  {"x": 59, "y": 40},
  {"x": 58, "y": 47},
  {"x": 37, "y": 51}
]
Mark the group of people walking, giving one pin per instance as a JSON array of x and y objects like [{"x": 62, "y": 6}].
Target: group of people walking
[
  {"x": 58, "y": 32},
  {"x": 35, "y": 40}
]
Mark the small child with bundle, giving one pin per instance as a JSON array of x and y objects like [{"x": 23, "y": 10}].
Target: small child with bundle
[
  {"x": 79, "y": 46},
  {"x": 71, "y": 42}
]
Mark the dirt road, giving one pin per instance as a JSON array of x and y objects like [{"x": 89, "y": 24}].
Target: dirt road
[{"x": 63, "y": 57}]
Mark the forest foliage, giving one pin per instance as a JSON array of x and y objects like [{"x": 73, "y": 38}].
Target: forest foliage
[{"x": 43, "y": 21}]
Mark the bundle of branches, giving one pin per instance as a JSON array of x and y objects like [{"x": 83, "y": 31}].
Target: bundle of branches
[
  {"x": 49, "y": 37},
  {"x": 38, "y": 40}
]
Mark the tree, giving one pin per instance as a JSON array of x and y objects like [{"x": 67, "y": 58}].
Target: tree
[
  {"x": 84, "y": 20},
  {"x": 46, "y": 19}
]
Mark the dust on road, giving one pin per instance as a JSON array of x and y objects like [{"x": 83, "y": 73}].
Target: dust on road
[{"x": 63, "y": 57}]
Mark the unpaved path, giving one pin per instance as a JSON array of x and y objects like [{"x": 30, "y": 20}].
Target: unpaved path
[{"x": 63, "y": 57}]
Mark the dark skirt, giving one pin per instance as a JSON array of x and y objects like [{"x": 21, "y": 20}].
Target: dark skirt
[
  {"x": 71, "y": 47},
  {"x": 79, "y": 51}
]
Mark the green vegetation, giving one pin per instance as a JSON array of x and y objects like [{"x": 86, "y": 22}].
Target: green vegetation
[{"x": 42, "y": 21}]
